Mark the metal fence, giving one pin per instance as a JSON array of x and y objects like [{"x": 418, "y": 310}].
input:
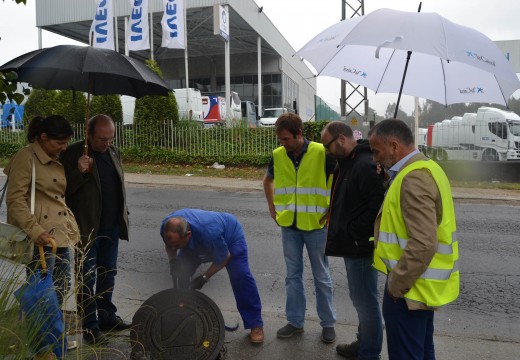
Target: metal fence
[{"x": 192, "y": 140}]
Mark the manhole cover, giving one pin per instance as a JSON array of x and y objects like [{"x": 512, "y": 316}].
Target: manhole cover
[{"x": 177, "y": 324}]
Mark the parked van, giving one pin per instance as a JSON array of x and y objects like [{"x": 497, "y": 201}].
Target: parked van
[
  {"x": 191, "y": 110},
  {"x": 249, "y": 113},
  {"x": 269, "y": 116}
]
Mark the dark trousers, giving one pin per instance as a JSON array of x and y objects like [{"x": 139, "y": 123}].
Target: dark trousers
[
  {"x": 409, "y": 333},
  {"x": 96, "y": 276}
]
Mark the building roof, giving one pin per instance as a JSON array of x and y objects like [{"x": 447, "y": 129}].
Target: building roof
[{"x": 73, "y": 18}]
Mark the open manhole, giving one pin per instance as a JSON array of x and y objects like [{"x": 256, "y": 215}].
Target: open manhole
[{"x": 177, "y": 324}]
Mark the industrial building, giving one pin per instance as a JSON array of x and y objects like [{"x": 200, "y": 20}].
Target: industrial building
[{"x": 259, "y": 56}]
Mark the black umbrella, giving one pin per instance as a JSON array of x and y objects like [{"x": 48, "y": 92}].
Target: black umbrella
[
  {"x": 84, "y": 68},
  {"x": 88, "y": 69}
]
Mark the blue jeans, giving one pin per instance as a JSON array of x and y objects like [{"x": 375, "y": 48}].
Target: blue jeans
[
  {"x": 362, "y": 287},
  {"x": 293, "y": 242},
  {"x": 409, "y": 333},
  {"x": 60, "y": 266},
  {"x": 98, "y": 267}
]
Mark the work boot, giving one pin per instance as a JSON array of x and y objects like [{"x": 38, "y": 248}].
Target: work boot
[
  {"x": 328, "y": 335},
  {"x": 257, "y": 335},
  {"x": 350, "y": 351},
  {"x": 94, "y": 337},
  {"x": 288, "y": 330},
  {"x": 117, "y": 324}
]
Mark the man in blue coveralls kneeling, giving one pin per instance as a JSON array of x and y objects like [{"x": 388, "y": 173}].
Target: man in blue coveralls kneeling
[{"x": 193, "y": 237}]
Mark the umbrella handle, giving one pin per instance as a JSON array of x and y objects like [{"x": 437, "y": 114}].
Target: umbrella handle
[{"x": 42, "y": 254}]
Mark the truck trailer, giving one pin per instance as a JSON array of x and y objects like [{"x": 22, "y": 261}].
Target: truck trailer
[{"x": 491, "y": 134}]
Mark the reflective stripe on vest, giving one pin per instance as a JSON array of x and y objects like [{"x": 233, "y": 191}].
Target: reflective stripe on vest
[
  {"x": 305, "y": 192},
  {"x": 387, "y": 238},
  {"x": 430, "y": 274},
  {"x": 439, "y": 284}
]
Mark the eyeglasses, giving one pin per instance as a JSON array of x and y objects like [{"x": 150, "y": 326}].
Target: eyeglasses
[{"x": 327, "y": 145}]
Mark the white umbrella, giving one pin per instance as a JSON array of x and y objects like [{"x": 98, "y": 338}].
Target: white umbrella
[{"x": 449, "y": 63}]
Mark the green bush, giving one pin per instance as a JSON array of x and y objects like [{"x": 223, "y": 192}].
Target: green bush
[
  {"x": 156, "y": 155},
  {"x": 9, "y": 149},
  {"x": 72, "y": 105},
  {"x": 152, "y": 112},
  {"x": 312, "y": 130},
  {"x": 109, "y": 105},
  {"x": 40, "y": 103}
]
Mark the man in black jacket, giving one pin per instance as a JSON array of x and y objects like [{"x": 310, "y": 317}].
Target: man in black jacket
[{"x": 357, "y": 194}]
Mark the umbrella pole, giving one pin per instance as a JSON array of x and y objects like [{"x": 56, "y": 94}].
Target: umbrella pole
[
  {"x": 87, "y": 114},
  {"x": 402, "y": 83},
  {"x": 404, "y": 74}
]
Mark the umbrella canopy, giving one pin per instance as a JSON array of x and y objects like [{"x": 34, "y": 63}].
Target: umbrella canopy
[
  {"x": 449, "y": 63},
  {"x": 87, "y": 69}
]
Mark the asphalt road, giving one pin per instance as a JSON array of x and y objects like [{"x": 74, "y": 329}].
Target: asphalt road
[
  {"x": 488, "y": 308},
  {"x": 483, "y": 323}
]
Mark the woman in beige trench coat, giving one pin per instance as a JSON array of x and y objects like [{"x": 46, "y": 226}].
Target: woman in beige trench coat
[{"x": 48, "y": 137}]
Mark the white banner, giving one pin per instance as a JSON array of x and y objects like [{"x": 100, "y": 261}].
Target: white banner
[
  {"x": 102, "y": 29},
  {"x": 173, "y": 24},
  {"x": 138, "y": 34}
]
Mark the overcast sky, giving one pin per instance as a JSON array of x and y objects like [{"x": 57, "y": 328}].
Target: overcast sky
[{"x": 298, "y": 21}]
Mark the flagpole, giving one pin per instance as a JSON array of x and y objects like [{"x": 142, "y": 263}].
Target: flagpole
[
  {"x": 150, "y": 35},
  {"x": 188, "y": 105}
]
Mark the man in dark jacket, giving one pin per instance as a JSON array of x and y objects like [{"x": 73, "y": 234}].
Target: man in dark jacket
[
  {"x": 96, "y": 195},
  {"x": 357, "y": 194}
]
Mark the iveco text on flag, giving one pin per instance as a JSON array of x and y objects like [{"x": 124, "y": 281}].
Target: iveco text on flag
[
  {"x": 138, "y": 26},
  {"x": 173, "y": 24},
  {"x": 102, "y": 29}
]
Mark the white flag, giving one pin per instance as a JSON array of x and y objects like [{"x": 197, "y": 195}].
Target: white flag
[
  {"x": 102, "y": 29},
  {"x": 138, "y": 25},
  {"x": 173, "y": 24}
]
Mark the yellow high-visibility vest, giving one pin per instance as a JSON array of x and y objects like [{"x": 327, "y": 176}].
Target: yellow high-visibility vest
[
  {"x": 440, "y": 283},
  {"x": 304, "y": 193}
]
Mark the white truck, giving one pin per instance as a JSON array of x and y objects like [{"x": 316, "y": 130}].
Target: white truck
[
  {"x": 190, "y": 107},
  {"x": 269, "y": 116},
  {"x": 490, "y": 134}
]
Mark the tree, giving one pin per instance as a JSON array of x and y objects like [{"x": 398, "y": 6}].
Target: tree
[
  {"x": 8, "y": 83},
  {"x": 153, "y": 112},
  {"x": 40, "y": 103},
  {"x": 72, "y": 105},
  {"x": 109, "y": 105}
]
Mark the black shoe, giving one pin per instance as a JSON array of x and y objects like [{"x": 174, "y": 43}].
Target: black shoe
[
  {"x": 328, "y": 335},
  {"x": 350, "y": 351},
  {"x": 94, "y": 337},
  {"x": 117, "y": 324},
  {"x": 288, "y": 330}
]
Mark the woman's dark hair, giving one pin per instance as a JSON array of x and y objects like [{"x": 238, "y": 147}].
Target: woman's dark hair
[{"x": 55, "y": 126}]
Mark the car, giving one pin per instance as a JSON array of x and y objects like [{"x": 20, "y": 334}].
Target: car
[{"x": 270, "y": 115}]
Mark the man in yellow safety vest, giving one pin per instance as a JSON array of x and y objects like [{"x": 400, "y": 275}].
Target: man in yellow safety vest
[
  {"x": 297, "y": 188},
  {"x": 415, "y": 239}
]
